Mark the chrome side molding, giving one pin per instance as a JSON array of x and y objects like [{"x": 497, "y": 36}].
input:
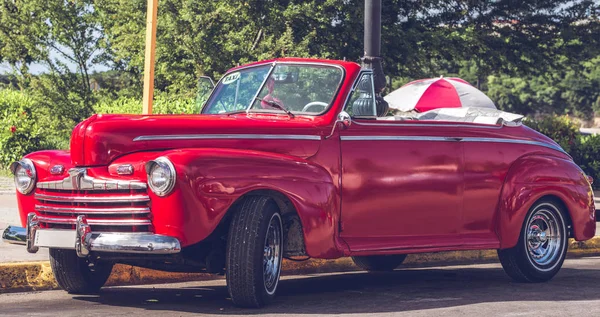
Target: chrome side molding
[{"x": 175, "y": 137}]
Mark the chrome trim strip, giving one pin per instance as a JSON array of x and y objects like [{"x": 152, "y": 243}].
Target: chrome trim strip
[
  {"x": 401, "y": 124},
  {"x": 15, "y": 235},
  {"x": 449, "y": 139},
  {"x": 226, "y": 136},
  {"x": 79, "y": 180},
  {"x": 374, "y": 99},
  {"x": 396, "y": 138},
  {"x": 95, "y": 211},
  {"x": 98, "y": 222},
  {"x": 91, "y": 199},
  {"x": 530, "y": 142}
]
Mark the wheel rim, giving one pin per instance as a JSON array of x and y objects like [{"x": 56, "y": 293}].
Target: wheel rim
[
  {"x": 272, "y": 254},
  {"x": 544, "y": 237}
]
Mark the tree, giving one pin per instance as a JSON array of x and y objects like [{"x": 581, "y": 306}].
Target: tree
[{"x": 63, "y": 36}]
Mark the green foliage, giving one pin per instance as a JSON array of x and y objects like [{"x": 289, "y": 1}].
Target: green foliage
[
  {"x": 163, "y": 104},
  {"x": 575, "y": 90},
  {"x": 561, "y": 129},
  {"x": 585, "y": 149},
  {"x": 20, "y": 133},
  {"x": 588, "y": 157}
]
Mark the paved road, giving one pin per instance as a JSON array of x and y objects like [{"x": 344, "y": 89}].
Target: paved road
[{"x": 477, "y": 290}]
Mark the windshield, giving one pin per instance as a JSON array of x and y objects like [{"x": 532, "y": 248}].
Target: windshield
[{"x": 299, "y": 88}]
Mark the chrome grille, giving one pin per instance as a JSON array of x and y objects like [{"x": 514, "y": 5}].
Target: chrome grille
[{"x": 109, "y": 205}]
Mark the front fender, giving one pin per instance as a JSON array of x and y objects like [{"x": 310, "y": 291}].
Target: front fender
[
  {"x": 210, "y": 180},
  {"x": 535, "y": 176}
]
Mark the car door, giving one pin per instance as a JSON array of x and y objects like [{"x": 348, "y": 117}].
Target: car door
[{"x": 402, "y": 181}]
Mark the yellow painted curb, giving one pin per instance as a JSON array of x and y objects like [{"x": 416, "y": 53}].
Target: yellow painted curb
[{"x": 35, "y": 276}]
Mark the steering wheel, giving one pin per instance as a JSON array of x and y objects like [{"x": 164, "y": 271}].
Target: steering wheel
[{"x": 315, "y": 103}]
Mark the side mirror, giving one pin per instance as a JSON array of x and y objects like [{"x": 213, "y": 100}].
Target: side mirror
[{"x": 344, "y": 118}]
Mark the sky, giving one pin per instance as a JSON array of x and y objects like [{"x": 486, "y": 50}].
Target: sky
[{"x": 37, "y": 68}]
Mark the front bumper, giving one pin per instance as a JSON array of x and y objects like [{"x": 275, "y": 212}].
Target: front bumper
[{"x": 84, "y": 241}]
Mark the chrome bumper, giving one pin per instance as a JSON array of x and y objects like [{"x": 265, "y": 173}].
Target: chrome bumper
[
  {"x": 86, "y": 241},
  {"x": 15, "y": 235}
]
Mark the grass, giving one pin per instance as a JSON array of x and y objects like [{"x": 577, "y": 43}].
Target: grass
[{"x": 5, "y": 173}]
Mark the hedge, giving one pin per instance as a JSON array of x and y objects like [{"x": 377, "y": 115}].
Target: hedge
[
  {"x": 21, "y": 131},
  {"x": 585, "y": 149}
]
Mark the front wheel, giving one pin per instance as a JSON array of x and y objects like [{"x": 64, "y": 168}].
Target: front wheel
[
  {"x": 542, "y": 245},
  {"x": 254, "y": 252},
  {"x": 77, "y": 275}
]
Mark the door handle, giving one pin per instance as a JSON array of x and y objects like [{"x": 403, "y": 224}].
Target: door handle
[{"x": 455, "y": 139}]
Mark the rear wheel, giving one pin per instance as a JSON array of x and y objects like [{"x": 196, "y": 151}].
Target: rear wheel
[
  {"x": 77, "y": 275},
  {"x": 374, "y": 263},
  {"x": 254, "y": 252},
  {"x": 542, "y": 245}
]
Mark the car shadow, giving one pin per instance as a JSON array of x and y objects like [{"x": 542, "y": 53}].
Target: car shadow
[{"x": 398, "y": 291}]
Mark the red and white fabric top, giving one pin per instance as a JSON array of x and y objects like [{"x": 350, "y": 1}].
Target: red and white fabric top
[{"x": 433, "y": 93}]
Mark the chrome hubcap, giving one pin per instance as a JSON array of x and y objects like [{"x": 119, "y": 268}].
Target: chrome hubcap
[
  {"x": 544, "y": 236},
  {"x": 272, "y": 254}
]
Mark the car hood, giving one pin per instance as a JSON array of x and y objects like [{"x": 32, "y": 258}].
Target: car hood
[{"x": 102, "y": 138}]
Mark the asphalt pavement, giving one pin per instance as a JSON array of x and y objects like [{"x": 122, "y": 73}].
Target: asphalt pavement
[{"x": 476, "y": 290}]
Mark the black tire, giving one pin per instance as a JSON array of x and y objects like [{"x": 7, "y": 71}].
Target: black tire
[
  {"x": 247, "y": 282},
  {"x": 520, "y": 262},
  {"x": 379, "y": 263},
  {"x": 75, "y": 275}
]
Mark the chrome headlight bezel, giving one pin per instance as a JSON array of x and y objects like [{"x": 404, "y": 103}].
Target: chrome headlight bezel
[
  {"x": 166, "y": 165},
  {"x": 27, "y": 165}
]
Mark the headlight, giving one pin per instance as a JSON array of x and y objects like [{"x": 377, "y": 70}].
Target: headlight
[
  {"x": 25, "y": 175},
  {"x": 161, "y": 176}
]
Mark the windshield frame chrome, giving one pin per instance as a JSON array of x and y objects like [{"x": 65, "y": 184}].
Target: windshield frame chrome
[{"x": 273, "y": 65}]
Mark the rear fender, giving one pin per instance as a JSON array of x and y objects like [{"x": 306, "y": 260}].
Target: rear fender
[
  {"x": 210, "y": 181},
  {"x": 533, "y": 177}
]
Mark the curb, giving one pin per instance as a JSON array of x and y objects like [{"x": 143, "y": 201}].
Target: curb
[{"x": 37, "y": 276}]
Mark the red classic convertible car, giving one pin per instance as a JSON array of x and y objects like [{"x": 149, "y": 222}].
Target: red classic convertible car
[{"x": 296, "y": 157}]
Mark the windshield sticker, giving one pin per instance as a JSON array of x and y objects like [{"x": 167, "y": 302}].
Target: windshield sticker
[{"x": 231, "y": 78}]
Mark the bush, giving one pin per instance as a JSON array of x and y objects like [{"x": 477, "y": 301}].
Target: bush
[
  {"x": 588, "y": 157},
  {"x": 561, "y": 129},
  {"x": 21, "y": 132},
  {"x": 585, "y": 150},
  {"x": 163, "y": 104}
]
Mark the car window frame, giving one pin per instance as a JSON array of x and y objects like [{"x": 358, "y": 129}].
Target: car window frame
[{"x": 273, "y": 65}]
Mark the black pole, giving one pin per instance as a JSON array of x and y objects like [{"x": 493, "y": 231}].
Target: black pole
[{"x": 372, "y": 38}]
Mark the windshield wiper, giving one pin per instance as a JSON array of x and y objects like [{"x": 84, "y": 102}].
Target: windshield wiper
[{"x": 276, "y": 105}]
